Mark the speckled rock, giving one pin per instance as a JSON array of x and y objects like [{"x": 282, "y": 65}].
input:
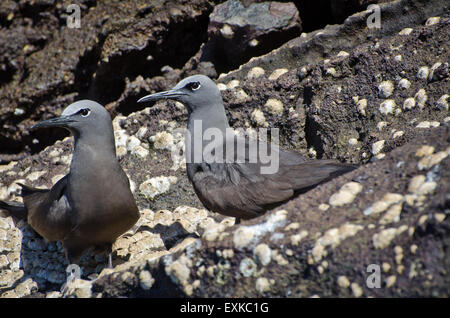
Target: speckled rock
[
  {"x": 385, "y": 89},
  {"x": 274, "y": 106},
  {"x": 255, "y": 72},
  {"x": 156, "y": 186},
  {"x": 219, "y": 264},
  {"x": 346, "y": 194}
]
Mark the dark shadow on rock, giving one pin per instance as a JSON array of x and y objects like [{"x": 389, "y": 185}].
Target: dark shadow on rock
[
  {"x": 162, "y": 288},
  {"x": 313, "y": 138},
  {"x": 170, "y": 235},
  {"x": 115, "y": 285},
  {"x": 182, "y": 40}
]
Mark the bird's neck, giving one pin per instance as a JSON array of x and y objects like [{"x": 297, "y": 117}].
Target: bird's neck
[
  {"x": 210, "y": 117},
  {"x": 93, "y": 152},
  {"x": 201, "y": 124}
]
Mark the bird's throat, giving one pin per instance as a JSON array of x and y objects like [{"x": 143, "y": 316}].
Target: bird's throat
[
  {"x": 207, "y": 118},
  {"x": 203, "y": 126}
]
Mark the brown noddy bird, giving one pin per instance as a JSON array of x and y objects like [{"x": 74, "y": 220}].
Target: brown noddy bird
[
  {"x": 238, "y": 187},
  {"x": 92, "y": 205}
]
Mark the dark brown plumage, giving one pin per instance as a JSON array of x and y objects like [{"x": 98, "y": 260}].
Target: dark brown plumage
[
  {"x": 238, "y": 187},
  {"x": 93, "y": 204}
]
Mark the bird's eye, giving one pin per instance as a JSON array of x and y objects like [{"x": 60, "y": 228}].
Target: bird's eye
[
  {"x": 85, "y": 112},
  {"x": 193, "y": 86}
]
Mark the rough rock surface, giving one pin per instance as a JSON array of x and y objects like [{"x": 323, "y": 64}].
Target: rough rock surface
[
  {"x": 376, "y": 97},
  {"x": 236, "y": 33},
  {"x": 50, "y": 64}
]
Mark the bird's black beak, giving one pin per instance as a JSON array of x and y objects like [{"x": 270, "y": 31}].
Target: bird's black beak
[
  {"x": 170, "y": 94},
  {"x": 63, "y": 122}
]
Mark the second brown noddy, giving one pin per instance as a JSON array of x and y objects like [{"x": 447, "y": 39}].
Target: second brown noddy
[
  {"x": 229, "y": 182},
  {"x": 92, "y": 205}
]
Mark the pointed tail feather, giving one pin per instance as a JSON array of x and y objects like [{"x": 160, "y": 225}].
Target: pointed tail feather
[
  {"x": 27, "y": 190},
  {"x": 343, "y": 168},
  {"x": 332, "y": 169},
  {"x": 15, "y": 208},
  {"x": 312, "y": 173}
]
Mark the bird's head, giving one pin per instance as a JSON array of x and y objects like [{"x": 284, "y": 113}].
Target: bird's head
[
  {"x": 81, "y": 117},
  {"x": 195, "y": 92}
]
